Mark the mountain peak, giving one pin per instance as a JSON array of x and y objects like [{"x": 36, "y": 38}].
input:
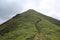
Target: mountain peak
[{"x": 31, "y": 10}]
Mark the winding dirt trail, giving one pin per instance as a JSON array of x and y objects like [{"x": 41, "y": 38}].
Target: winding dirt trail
[{"x": 37, "y": 36}]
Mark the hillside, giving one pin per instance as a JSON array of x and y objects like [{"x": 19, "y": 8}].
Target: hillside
[{"x": 28, "y": 25}]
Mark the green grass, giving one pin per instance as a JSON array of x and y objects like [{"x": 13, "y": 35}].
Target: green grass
[
  {"x": 49, "y": 31},
  {"x": 22, "y": 27}
]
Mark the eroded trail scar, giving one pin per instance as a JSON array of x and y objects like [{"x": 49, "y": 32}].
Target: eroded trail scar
[
  {"x": 37, "y": 36},
  {"x": 36, "y": 25}
]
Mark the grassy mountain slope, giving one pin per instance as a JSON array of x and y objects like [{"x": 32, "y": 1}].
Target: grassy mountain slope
[
  {"x": 54, "y": 21},
  {"x": 26, "y": 25}
]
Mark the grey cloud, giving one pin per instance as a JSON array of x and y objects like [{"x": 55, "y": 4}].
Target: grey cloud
[{"x": 9, "y": 9}]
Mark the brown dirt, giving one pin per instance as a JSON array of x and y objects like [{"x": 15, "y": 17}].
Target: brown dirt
[{"x": 37, "y": 37}]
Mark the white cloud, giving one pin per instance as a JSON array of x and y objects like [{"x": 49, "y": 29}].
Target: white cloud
[{"x": 48, "y": 7}]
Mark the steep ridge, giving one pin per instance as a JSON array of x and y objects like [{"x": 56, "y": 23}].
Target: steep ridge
[{"x": 26, "y": 25}]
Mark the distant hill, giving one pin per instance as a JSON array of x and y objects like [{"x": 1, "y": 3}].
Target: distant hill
[{"x": 30, "y": 25}]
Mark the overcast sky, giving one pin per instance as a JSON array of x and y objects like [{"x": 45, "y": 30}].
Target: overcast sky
[{"x": 9, "y": 8}]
